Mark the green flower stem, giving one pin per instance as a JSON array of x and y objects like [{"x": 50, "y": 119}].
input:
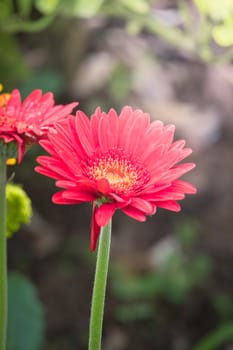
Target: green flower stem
[
  {"x": 3, "y": 255},
  {"x": 98, "y": 296}
]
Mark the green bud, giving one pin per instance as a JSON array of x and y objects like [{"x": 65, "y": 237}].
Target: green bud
[{"x": 19, "y": 210}]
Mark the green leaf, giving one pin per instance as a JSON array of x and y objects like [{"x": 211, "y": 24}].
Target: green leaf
[
  {"x": 223, "y": 34},
  {"x": 12, "y": 65},
  {"x": 5, "y": 10},
  {"x": 216, "y": 338},
  {"x": 216, "y": 9},
  {"x": 80, "y": 8},
  {"x": 25, "y": 315},
  {"x": 25, "y": 7},
  {"x": 138, "y": 6},
  {"x": 16, "y": 24},
  {"x": 46, "y": 6}
]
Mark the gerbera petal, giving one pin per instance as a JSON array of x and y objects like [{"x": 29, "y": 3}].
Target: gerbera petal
[
  {"x": 94, "y": 124},
  {"x": 95, "y": 230},
  {"x": 108, "y": 131},
  {"x": 58, "y": 198},
  {"x": 31, "y": 100},
  {"x": 104, "y": 212},
  {"x": 103, "y": 186},
  {"x": 143, "y": 205},
  {"x": 14, "y": 103},
  {"x": 177, "y": 172},
  {"x": 183, "y": 187},
  {"x": 78, "y": 196},
  {"x": 125, "y": 121},
  {"x": 167, "y": 136},
  {"x": 169, "y": 205},
  {"x": 136, "y": 133},
  {"x": 84, "y": 132},
  {"x": 58, "y": 114},
  {"x": 134, "y": 213}
]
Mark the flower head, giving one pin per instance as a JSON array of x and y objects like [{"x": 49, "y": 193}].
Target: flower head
[
  {"x": 120, "y": 162},
  {"x": 24, "y": 123}
]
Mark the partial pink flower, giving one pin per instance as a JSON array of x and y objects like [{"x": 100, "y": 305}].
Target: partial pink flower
[
  {"x": 25, "y": 122},
  {"x": 120, "y": 162}
]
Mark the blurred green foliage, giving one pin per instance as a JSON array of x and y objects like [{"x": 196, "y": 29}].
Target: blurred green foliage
[
  {"x": 26, "y": 324},
  {"x": 223, "y": 304},
  {"x": 19, "y": 210},
  {"x": 192, "y": 33},
  {"x": 12, "y": 65},
  {"x": 216, "y": 338},
  {"x": 46, "y": 80},
  {"x": 173, "y": 279},
  {"x": 220, "y": 13}
]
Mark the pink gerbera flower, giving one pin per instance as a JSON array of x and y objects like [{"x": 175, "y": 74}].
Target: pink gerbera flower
[
  {"x": 23, "y": 123},
  {"x": 125, "y": 162}
]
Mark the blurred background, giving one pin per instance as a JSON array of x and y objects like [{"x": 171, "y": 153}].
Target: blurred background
[{"x": 170, "y": 283}]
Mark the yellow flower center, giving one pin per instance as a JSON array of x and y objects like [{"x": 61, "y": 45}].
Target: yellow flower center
[{"x": 123, "y": 172}]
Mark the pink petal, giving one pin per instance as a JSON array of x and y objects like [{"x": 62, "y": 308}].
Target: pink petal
[
  {"x": 84, "y": 132},
  {"x": 31, "y": 100},
  {"x": 169, "y": 205},
  {"x": 183, "y": 187},
  {"x": 135, "y": 138},
  {"x": 94, "y": 122},
  {"x": 103, "y": 186},
  {"x": 95, "y": 230},
  {"x": 78, "y": 196},
  {"x": 108, "y": 131},
  {"x": 58, "y": 198},
  {"x": 104, "y": 213},
  {"x": 14, "y": 103},
  {"x": 134, "y": 213},
  {"x": 143, "y": 205}
]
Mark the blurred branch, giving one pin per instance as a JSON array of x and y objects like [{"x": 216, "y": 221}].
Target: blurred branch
[
  {"x": 15, "y": 24},
  {"x": 198, "y": 44},
  {"x": 171, "y": 34}
]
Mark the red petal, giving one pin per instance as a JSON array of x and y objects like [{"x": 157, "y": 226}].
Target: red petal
[
  {"x": 95, "y": 230},
  {"x": 134, "y": 213},
  {"x": 58, "y": 198},
  {"x": 84, "y": 132},
  {"x": 31, "y": 100},
  {"x": 134, "y": 141},
  {"x": 103, "y": 186},
  {"x": 143, "y": 205},
  {"x": 108, "y": 131},
  {"x": 104, "y": 213},
  {"x": 177, "y": 171},
  {"x": 169, "y": 205},
  {"x": 14, "y": 103},
  {"x": 78, "y": 196},
  {"x": 94, "y": 122},
  {"x": 183, "y": 187}
]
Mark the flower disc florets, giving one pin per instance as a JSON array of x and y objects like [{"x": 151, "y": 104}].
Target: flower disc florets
[
  {"x": 123, "y": 172},
  {"x": 120, "y": 162}
]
